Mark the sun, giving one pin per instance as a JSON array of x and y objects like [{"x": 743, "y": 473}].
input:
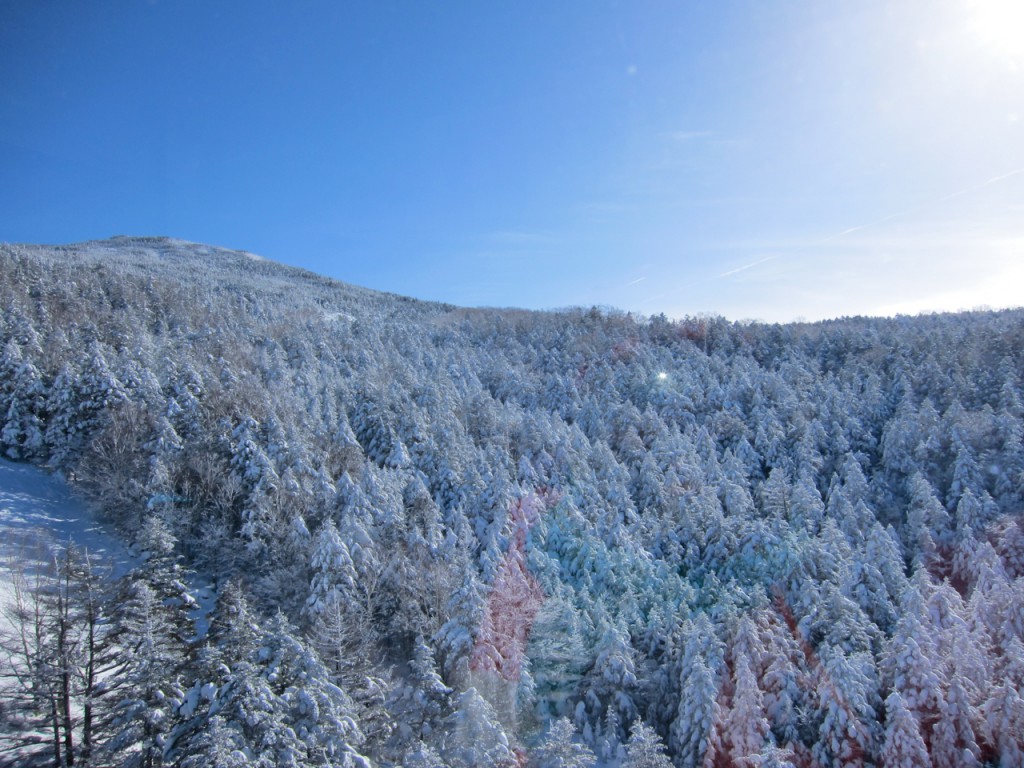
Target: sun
[{"x": 999, "y": 26}]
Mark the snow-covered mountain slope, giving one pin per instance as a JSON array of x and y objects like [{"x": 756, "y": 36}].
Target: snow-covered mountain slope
[{"x": 444, "y": 529}]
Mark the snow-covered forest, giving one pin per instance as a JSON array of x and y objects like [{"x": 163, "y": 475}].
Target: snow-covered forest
[{"x": 455, "y": 537}]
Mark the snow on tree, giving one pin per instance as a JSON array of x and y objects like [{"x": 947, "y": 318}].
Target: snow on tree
[
  {"x": 774, "y": 494},
  {"x": 966, "y": 473},
  {"x": 612, "y": 679},
  {"x": 783, "y": 697},
  {"x": 467, "y": 610},
  {"x": 806, "y": 509},
  {"x": 218, "y": 744},
  {"x": 474, "y": 735},
  {"x": 515, "y": 597},
  {"x": 372, "y": 427},
  {"x": 645, "y": 748},
  {"x": 1002, "y": 724},
  {"x": 140, "y": 710},
  {"x": 251, "y": 404},
  {"x": 953, "y": 742},
  {"x": 163, "y": 448},
  {"x": 558, "y": 654},
  {"x": 275, "y": 707},
  {"x": 561, "y": 748},
  {"x": 80, "y": 394},
  {"x": 334, "y": 573},
  {"x": 421, "y": 702},
  {"x": 1007, "y": 460},
  {"x": 695, "y": 735},
  {"x": 1010, "y": 546},
  {"x": 745, "y": 728},
  {"x": 773, "y": 756},
  {"x": 22, "y": 406},
  {"x": 423, "y": 756},
  {"x": 866, "y": 586},
  {"x": 903, "y": 746},
  {"x": 260, "y": 483},
  {"x": 928, "y": 524},
  {"x": 913, "y": 672},
  {"x": 56, "y": 645},
  {"x": 844, "y": 689}
]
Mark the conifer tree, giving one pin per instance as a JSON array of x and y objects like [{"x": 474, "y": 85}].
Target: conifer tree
[
  {"x": 645, "y": 748},
  {"x": 561, "y": 748},
  {"x": 903, "y": 746},
  {"x": 745, "y": 729},
  {"x": 474, "y": 737},
  {"x": 953, "y": 742}
]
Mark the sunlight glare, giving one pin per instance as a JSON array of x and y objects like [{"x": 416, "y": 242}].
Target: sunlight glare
[{"x": 999, "y": 26}]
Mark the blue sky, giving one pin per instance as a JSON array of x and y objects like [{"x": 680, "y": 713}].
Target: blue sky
[{"x": 761, "y": 159}]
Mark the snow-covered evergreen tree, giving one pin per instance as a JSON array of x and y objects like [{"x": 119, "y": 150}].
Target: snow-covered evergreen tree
[
  {"x": 561, "y": 748},
  {"x": 219, "y": 409},
  {"x": 903, "y": 746},
  {"x": 645, "y": 748},
  {"x": 474, "y": 736}
]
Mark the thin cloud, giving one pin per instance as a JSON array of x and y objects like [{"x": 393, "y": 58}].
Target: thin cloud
[
  {"x": 519, "y": 237},
  {"x": 747, "y": 266},
  {"x": 923, "y": 206},
  {"x": 690, "y": 135}
]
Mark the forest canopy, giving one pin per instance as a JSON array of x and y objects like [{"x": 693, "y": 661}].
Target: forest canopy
[{"x": 457, "y": 537}]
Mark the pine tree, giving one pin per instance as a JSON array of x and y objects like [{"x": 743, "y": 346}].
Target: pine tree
[
  {"x": 57, "y": 651},
  {"x": 558, "y": 654},
  {"x": 1003, "y": 723},
  {"x": 421, "y": 703},
  {"x": 474, "y": 736},
  {"x": 695, "y": 734},
  {"x": 911, "y": 670},
  {"x": 334, "y": 573},
  {"x": 612, "y": 680},
  {"x": 273, "y": 707},
  {"x": 561, "y": 749},
  {"x": 81, "y": 393},
  {"x": 645, "y": 748},
  {"x": 22, "y": 409},
  {"x": 903, "y": 747},
  {"x": 141, "y": 707},
  {"x": 423, "y": 756},
  {"x": 953, "y": 741},
  {"x": 745, "y": 729},
  {"x": 844, "y": 688}
]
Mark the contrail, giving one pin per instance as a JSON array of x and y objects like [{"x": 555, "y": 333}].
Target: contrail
[
  {"x": 922, "y": 206},
  {"x": 638, "y": 280},
  {"x": 747, "y": 266}
]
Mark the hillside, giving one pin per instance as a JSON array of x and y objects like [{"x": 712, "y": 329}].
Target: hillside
[{"x": 438, "y": 530}]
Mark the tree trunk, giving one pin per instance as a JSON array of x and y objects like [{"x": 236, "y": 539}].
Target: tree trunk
[
  {"x": 57, "y": 763},
  {"x": 89, "y": 673},
  {"x": 64, "y": 654}
]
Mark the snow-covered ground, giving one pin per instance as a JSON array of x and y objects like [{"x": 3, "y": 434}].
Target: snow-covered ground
[
  {"x": 35, "y": 506},
  {"x": 39, "y": 512},
  {"x": 39, "y": 508}
]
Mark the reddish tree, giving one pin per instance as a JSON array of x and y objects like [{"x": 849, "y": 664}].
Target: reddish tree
[{"x": 514, "y": 600}]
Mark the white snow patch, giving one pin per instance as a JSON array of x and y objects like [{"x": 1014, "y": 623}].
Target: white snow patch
[
  {"x": 35, "y": 506},
  {"x": 339, "y": 316},
  {"x": 40, "y": 509}
]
